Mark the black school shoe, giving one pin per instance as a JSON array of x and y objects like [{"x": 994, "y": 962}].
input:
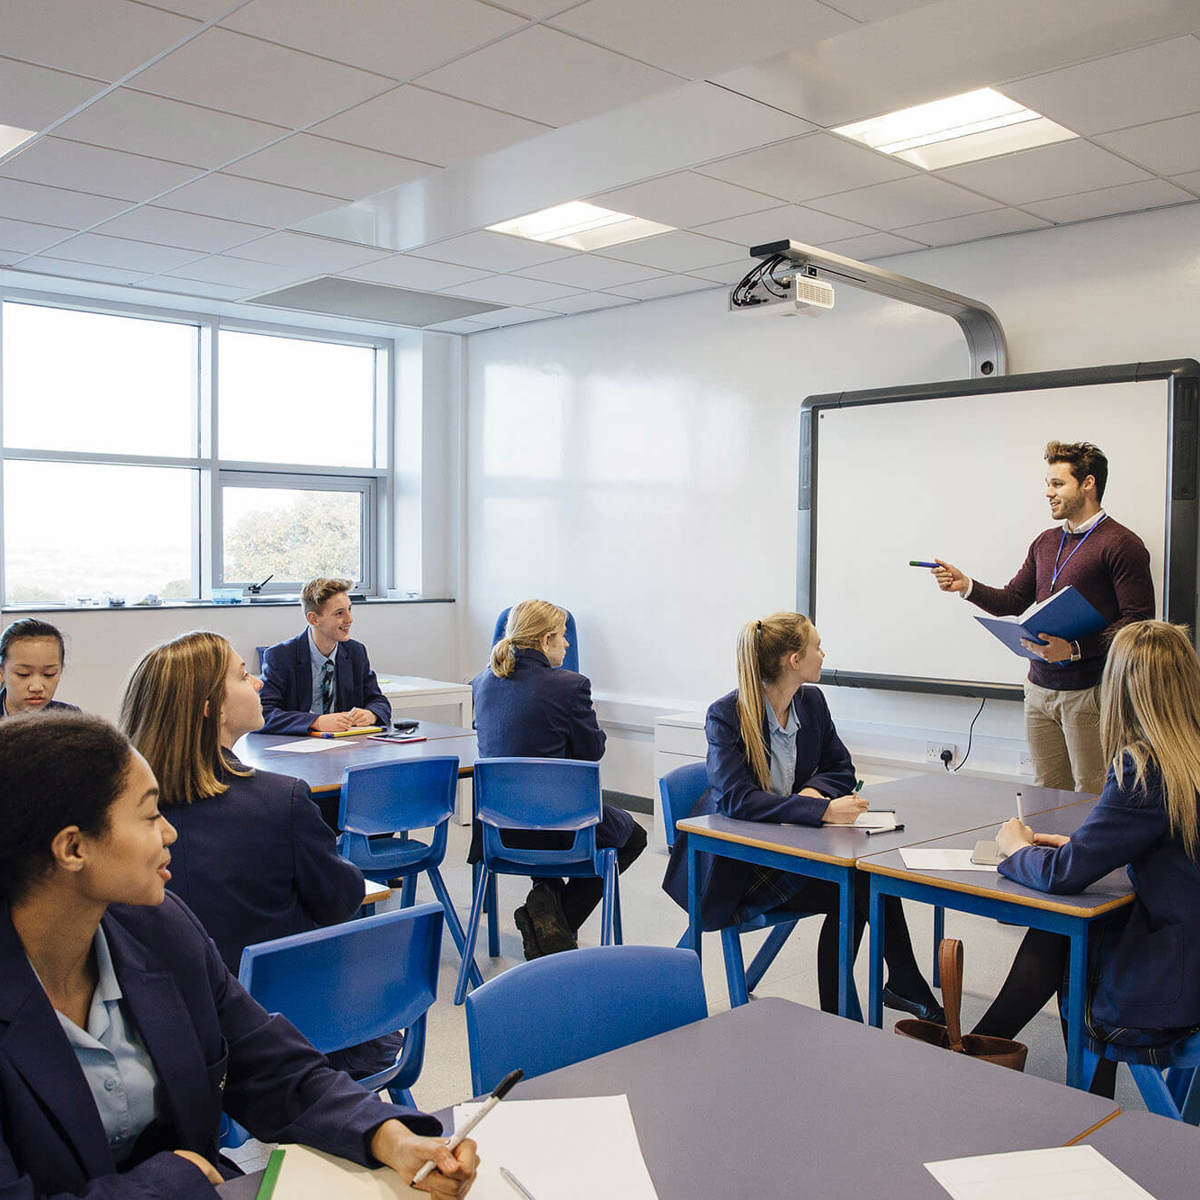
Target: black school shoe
[
  {"x": 528, "y": 936},
  {"x": 550, "y": 928},
  {"x": 924, "y": 1012}
]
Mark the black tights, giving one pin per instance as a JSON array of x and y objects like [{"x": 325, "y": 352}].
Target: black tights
[{"x": 580, "y": 896}]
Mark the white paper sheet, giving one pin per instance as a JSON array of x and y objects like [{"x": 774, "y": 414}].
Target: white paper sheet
[
  {"x": 585, "y": 1148},
  {"x": 306, "y": 746},
  {"x": 1066, "y": 1173},
  {"x": 311, "y": 1175},
  {"x": 881, "y": 821},
  {"x": 916, "y": 859},
  {"x": 371, "y": 888}
]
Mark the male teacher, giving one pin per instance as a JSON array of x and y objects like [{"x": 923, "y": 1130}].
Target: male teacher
[
  {"x": 321, "y": 681},
  {"x": 1109, "y": 566}
]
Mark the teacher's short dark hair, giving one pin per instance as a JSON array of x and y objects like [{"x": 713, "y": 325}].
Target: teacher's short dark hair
[
  {"x": 55, "y": 770},
  {"x": 1084, "y": 459}
]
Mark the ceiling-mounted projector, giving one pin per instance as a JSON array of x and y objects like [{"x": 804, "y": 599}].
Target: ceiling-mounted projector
[{"x": 781, "y": 287}]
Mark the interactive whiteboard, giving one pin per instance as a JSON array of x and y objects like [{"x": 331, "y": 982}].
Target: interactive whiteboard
[{"x": 955, "y": 471}]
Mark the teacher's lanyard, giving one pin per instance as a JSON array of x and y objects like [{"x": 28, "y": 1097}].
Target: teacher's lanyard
[{"x": 1062, "y": 542}]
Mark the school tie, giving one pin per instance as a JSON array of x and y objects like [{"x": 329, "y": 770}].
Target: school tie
[{"x": 327, "y": 686}]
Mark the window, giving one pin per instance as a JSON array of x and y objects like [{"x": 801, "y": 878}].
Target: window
[{"x": 150, "y": 456}]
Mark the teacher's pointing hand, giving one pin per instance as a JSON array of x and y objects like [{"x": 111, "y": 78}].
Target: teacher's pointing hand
[{"x": 949, "y": 578}]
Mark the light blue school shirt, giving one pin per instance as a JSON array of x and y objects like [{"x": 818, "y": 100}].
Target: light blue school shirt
[
  {"x": 114, "y": 1059},
  {"x": 318, "y": 666},
  {"x": 783, "y": 749}
]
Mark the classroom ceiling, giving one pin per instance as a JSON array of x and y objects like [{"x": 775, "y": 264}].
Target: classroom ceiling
[{"x": 232, "y": 150}]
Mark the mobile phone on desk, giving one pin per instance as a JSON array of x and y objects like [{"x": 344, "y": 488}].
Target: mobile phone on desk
[{"x": 406, "y": 726}]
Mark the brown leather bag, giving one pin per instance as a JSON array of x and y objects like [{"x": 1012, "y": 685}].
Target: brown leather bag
[{"x": 1001, "y": 1051}]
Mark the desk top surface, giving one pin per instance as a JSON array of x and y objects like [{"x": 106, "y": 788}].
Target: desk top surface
[
  {"x": 1163, "y": 1156},
  {"x": 399, "y": 684}
]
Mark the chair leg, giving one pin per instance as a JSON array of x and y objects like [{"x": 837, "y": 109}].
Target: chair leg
[
  {"x": 1189, "y": 1107},
  {"x": 939, "y": 932},
  {"x": 735, "y": 967},
  {"x": 452, "y": 921},
  {"x": 1153, "y": 1089},
  {"x": 1091, "y": 1060},
  {"x": 401, "y": 1096},
  {"x": 618, "y": 935},
  {"x": 468, "y": 958},
  {"x": 408, "y": 892},
  {"x": 493, "y": 912},
  {"x": 767, "y": 952},
  {"x": 685, "y": 942}
]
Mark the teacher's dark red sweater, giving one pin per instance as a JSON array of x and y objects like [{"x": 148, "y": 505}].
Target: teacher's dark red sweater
[{"x": 1111, "y": 570}]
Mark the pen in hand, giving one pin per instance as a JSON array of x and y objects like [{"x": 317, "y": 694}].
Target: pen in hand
[
  {"x": 502, "y": 1089},
  {"x": 1020, "y": 809}
]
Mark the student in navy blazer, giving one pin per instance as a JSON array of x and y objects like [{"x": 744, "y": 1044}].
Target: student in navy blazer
[
  {"x": 88, "y": 939},
  {"x": 774, "y": 755},
  {"x": 1144, "y": 988},
  {"x": 292, "y": 670},
  {"x": 528, "y": 706},
  {"x": 32, "y": 655}
]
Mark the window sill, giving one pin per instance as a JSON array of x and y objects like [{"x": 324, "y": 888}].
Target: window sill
[{"x": 282, "y": 602}]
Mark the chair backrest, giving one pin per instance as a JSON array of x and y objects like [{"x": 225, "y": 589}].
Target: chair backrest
[
  {"x": 537, "y": 793},
  {"x": 348, "y": 983},
  {"x": 679, "y": 790},
  {"x": 570, "y": 659},
  {"x": 563, "y": 1008},
  {"x": 398, "y": 796}
]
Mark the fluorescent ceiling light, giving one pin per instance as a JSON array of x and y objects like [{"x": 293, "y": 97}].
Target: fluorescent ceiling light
[
  {"x": 580, "y": 226},
  {"x": 11, "y": 137},
  {"x": 979, "y": 124}
]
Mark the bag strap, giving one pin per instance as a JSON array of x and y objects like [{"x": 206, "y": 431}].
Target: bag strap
[{"x": 950, "y": 964}]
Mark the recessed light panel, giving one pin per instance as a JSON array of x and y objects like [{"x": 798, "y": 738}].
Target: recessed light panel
[
  {"x": 580, "y": 226},
  {"x": 958, "y": 129},
  {"x": 11, "y": 137}
]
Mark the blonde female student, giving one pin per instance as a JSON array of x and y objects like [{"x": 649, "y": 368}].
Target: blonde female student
[
  {"x": 1144, "y": 976},
  {"x": 774, "y": 755},
  {"x": 31, "y": 665}
]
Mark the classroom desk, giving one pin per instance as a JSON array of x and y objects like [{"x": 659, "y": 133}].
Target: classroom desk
[
  {"x": 776, "y": 1099},
  {"x": 1161, "y": 1155},
  {"x": 406, "y": 692},
  {"x": 990, "y": 894},
  {"x": 928, "y": 805}
]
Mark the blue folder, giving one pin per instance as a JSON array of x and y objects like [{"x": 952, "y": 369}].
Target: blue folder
[{"x": 1066, "y": 614}]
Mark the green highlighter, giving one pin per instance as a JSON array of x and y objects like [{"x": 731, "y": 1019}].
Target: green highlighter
[{"x": 266, "y": 1189}]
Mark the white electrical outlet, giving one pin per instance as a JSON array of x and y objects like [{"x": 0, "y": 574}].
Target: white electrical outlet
[
  {"x": 1025, "y": 763},
  {"x": 935, "y": 750}
]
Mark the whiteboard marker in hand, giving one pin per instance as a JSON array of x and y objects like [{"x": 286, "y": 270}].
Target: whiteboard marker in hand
[
  {"x": 1020, "y": 809},
  {"x": 502, "y": 1089}
]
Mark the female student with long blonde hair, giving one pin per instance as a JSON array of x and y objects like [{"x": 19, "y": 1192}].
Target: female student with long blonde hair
[{"x": 774, "y": 755}]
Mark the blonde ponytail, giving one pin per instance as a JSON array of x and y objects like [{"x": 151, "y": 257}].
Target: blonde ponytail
[
  {"x": 504, "y": 657},
  {"x": 528, "y": 623}
]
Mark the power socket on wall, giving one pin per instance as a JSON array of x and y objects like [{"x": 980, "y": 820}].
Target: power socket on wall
[{"x": 935, "y": 752}]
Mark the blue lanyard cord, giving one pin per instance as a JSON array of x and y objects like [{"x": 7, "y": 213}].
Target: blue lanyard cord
[{"x": 1061, "y": 542}]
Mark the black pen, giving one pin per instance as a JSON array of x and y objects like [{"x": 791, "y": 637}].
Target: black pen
[
  {"x": 502, "y": 1089},
  {"x": 893, "y": 829}
]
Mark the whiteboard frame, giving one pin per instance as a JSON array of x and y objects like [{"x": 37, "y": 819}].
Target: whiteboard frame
[{"x": 1182, "y": 381}]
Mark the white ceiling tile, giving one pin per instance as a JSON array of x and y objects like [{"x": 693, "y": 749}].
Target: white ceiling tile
[
  {"x": 160, "y": 128},
  {"x": 584, "y": 302},
  {"x": 240, "y": 272},
  {"x": 972, "y": 227},
  {"x": 706, "y": 37},
  {"x": 669, "y": 285},
  {"x": 253, "y": 78},
  {"x": 419, "y": 274},
  {"x": 1132, "y": 197},
  {"x": 101, "y": 38},
  {"x": 903, "y": 202},
  {"x": 514, "y": 316},
  {"x": 32, "y": 97},
  {"x": 803, "y": 168},
  {"x": 193, "y": 287},
  {"x": 416, "y": 123},
  {"x": 202, "y": 10},
  {"x": 85, "y": 168},
  {"x": 685, "y": 199},
  {"x": 74, "y": 270},
  {"x": 395, "y": 39},
  {"x": 491, "y": 251},
  {"x": 677, "y": 251},
  {"x": 511, "y": 289},
  {"x": 1191, "y": 180},
  {"x": 786, "y": 221},
  {"x": 727, "y": 273},
  {"x": 232, "y": 197},
  {"x": 548, "y": 76},
  {"x": 1132, "y": 88},
  {"x": 874, "y": 10},
  {"x": 461, "y": 325},
  {"x": 55, "y": 206},
  {"x": 1058, "y": 170},
  {"x": 186, "y": 230},
  {"x": 122, "y": 253},
  {"x": 874, "y": 245},
  {"x": 317, "y": 255},
  {"x": 28, "y": 236},
  {"x": 319, "y": 164},
  {"x": 1166, "y": 147},
  {"x": 586, "y": 271},
  {"x": 539, "y": 10}
]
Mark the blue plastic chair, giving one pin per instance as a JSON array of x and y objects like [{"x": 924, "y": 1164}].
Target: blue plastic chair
[
  {"x": 538, "y": 794},
  {"x": 398, "y": 797},
  {"x": 570, "y": 660},
  {"x": 561, "y": 1009},
  {"x": 349, "y": 983},
  {"x": 1176, "y": 1096}
]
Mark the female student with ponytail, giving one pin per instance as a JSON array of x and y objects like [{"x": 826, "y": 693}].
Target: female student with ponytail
[
  {"x": 774, "y": 755},
  {"x": 528, "y": 706}
]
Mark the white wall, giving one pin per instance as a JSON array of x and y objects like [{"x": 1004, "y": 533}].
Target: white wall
[{"x": 638, "y": 465}]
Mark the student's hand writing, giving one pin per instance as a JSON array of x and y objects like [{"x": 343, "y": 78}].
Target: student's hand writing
[
  {"x": 1013, "y": 835},
  {"x": 399, "y": 1148},
  {"x": 331, "y": 723},
  {"x": 1056, "y": 649},
  {"x": 362, "y": 716},
  {"x": 949, "y": 578},
  {"x": 1050, "y": 839},
  {"x": 845, "y": 810},
  {"x": 198, "y": 1160}
]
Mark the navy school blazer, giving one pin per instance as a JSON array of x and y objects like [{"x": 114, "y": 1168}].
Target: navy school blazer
[
  {"x": 822, "y": 762},
  {"x": 258, "y": 862},
  {"x": 287, "y": 685},
  {"x": 213, "y": 1047},
  {"x": 1148, "y": 965}
]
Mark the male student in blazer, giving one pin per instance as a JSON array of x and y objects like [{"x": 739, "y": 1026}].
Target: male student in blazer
[{"x": 321, "y": 680}]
